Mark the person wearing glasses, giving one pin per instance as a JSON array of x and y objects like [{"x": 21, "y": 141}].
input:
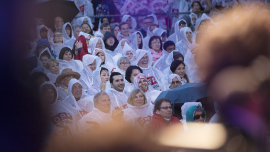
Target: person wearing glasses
[
  {"x": 147, "y": 21},
  {"x": 162, "y": 116},
  {"x": 174, "y": 81},
  {"x": 122, "y": 64}
]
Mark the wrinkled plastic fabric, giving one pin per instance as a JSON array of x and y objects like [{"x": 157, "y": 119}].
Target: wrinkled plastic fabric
[
  {"x": 134, "y": 43},
  {"x": 109, "y": 64},
  {"x": 133, "y": 22},
  {"x": 202, "y": 18},
  {"x": 66, "y": 39},
  {"x": 96, "y": 83},
  {"x": 119, "y": 49},
  {"x": 75, "y": 65},
  {"x": 175, "y": 37},
  {"x": 118, "y": 99},
  {"x": 93, "y": 44},
  {"x": 161, "y": 63},
  {"x": 192, "y": 69},
  {"x": 183, "y": 45},
  {"x": 126, "y": 49},
  {"x": 184, "y": 109}
]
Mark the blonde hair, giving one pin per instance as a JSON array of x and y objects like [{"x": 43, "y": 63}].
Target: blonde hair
[
  {"x": 47, "y": 66},
  {"x": 133, "y": 94}
]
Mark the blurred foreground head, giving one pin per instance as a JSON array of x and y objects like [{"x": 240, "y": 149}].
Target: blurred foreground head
[{"x": 234, "y": 61}]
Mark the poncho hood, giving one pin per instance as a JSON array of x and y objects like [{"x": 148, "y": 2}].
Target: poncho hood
[
  {"x": 140, "y": 53},
  {"x": 133, "y": 21},
  {"x": 80, "y": 21},
  {"x": 93, "y": 43}
]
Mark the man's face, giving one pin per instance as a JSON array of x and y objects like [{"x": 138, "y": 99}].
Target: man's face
[
  {"x": 58, "y": 38},
  {"x": 170, "y": 48},
  {"x": 125, "y": 30},
  {"x": 175, "y": 83},
  {"x": 118, "y": 83},
  {"x": 77, "y": 32},
  {"x": 144, "y": 61},
  {"x": 77, "y": 91},
  {"x": 147, "y": 23},
  {"x": 104, "y": 103},
  {"x": 106, "y": 29},
  {"x": 59, "y": 22},
  {"x": 165, "y": 110},
  {"x": 129, "y": 21}
]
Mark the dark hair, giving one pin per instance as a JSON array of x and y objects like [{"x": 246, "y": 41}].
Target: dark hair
[
  {"x": 148, "y": 17},
  {"x": 108, "y": 35},
  {"x": 129, "y": 71},
  {"x": 153, "y": 25},
  {"x": 70, "y": 30},
  {"x": 91, "y": 30},
  {"x": 167, "y": 44},
  {"x": 122, "y": 23},
  {"x": 159, "y": 102},
  {"x": 176, "y": 55},
  {"x": 104, "y": 25},
  {"x": 201, "y": 8},
  {"x": 113, "y": 27},
  {"x": 103, "y": 69},
  {"x": 63, "y": 51},
  {"x": 112, "y": 75},
  {"x": 175, "y": 64},
  {"x": 152, "y": 38},
  {"x": 103, "y": 18},
  {"x": 45, "y": 53},
  {"x": 140, "y": 45}
]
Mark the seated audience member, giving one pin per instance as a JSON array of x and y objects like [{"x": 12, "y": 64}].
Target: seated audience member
[
  {"x": 131, "y": 72},
  {"x": 178, "y": 67},
  {"x": 52, "y": 67},
  {"x": 104, "y": 27},
  {"x": 174, "y": 81}
]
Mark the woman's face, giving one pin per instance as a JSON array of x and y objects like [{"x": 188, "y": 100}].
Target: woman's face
[
  {"x": 196, "y": 7},
  {"x": 87, "y": 40},
  {"x": 138, "y": 100},
  {"x": 99, "y": 44},
  {"x": 189, "y": 36},
  {"x": 143, "y": 84},
  {"x": 115, "y": 31},
  {"x": 67, "y": 56},
  {"x": 93, "y": 65},
  {"x": 194, "y": 19},
  {"x": 43, "y": 60},
  {"x": 124, "y": 64},
  {"x": 68, "y": 30},
  {"x": 155, "y": 44},
  {"x": 104, "y": 76},
  {"x": 110, "y": 41},
  {"x": 180, "y": 70},
  {"x": 129, "y": 55},
  {"x": 86, "y": 28},
  {"x": 139, "y": 39},
  {"x": 54, "y": 67},
  {"x": 101, "y": 56},
  {"x": 134, "y": 73}
]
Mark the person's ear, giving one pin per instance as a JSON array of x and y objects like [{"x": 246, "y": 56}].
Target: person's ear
[{"x": 96, "y": 105}]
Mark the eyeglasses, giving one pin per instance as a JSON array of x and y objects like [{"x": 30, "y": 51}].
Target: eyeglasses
[
  {"x": 198, "y": 116},
  {"x": 125, "y": 63},
  {"x": 165, "y": 108}
]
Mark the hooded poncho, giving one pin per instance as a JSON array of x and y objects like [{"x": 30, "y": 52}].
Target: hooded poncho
[
  {"x": 119, "y": 49},
  {"x": 147, "y": 38},
  {"x": 202, "y": 18},
  {"x": 69, "y": 41},
  {"x": 151, "y": 94},
  {"x": 126, "y": 49},
  {"x": 80, "y": 21},
  {"x": 190, "y": 15},
  {"x": 96, "y": 83},
  {"x": 110, "y": 49},
  {"x": 93, "y": 43},
  {"x": 139, "y": 116},
  {"x": 172, "y": 76},
  {"x": 85, "y": 36},
  {"x": 175, "y": 37},
  {"x": 134, "y": 43},
  {"x": 154, "y": 76},
  {"x": 118, "y": 99},
  {"x": 183, "y": 45},
  {"x": 84, "y": 49},
  {"x": 49, "y": 37},
  {"x": 63, "y": 118},
  {"x": 40, "y": 67},
  {"x": 86, "y": 78},
  {"x": 133, "y": 23},
  {"x": 108, "y": 63}
]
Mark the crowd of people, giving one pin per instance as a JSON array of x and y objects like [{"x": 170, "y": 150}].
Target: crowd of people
[{"x": 89, "y": 79}]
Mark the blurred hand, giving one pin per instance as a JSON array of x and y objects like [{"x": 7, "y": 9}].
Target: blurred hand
[{"x": 78, "y": 45}]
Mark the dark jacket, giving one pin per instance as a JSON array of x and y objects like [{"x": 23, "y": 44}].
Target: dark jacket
[{"x": 108, "y": 35}]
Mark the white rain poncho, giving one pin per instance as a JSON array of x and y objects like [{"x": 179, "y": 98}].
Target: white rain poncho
[
  {"x": 121, "y": 37},
  {"x": 159, "y": 32},
  {"x": 129, "y": 86},
  {"x": 147, "y": 38},
  {"x": 192, "y": 69},
  {"x": 133, "y": 23},
  {"x": 139, "y": 116},
  {"x": 62, "y": 93},
  {"x": 40, "y": 67},
  {"x": 154, "y": 76},
  {"x": 202, "y": 18},
  {"x": 183, "y": 45},
  {"x": 126, "y": 49},
  {"x": 116, "y": 58},
  {"x": 184, "y": 109},
  {"x": 175, "y": 37},
  {"x": 190, "y": 15},
  {"x": 93, "y": 43},
  {"x": 172, "y": 76},
  {"x": 118, "y": 99},
  {"x": 71, "y": 101},
  {"x": 108, "y": 64},
  {"x": 161, "y": 63},
  {"x": 80, "y": 21},
  {"x": 75, "y": 65},
  {"x": 151, "y": 94},
  {"x": 119, "y": 48},
  {"x": 56, "y": 47},
  {"x": 69, "y": 41},
  {"x": 86, "y": 78},
  {"x": 63, "y": 118},
  {"x": 97, "y": 82},
  {"x": 134, "y": 43},
  {"x": 50, "y": 37},
  {"x": 103, "y": 119},
  {"x": 52, "y": 76}
]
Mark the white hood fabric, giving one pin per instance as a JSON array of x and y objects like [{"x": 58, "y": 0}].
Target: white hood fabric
[
  {"x": 147, "y": 38},
  {"x": 93, "y": 43},
  {"x": 175, "y": 37},
  {"x": 183, "y": 45},
  {"x": 52, "y": 77},
  {"x": 202, "y": 18},
  {"x": 67, "y": 40},
  {"x": 63, "y": 120},
  {"x": 134, "y": 43},
  {"x": 96, "y": 83},
  {"x": 161, "y": 64},
  {"x": 192, "y": 69},
  {"x": 80, "y": 21},
  {"x": 40, "y": 67},
  {"x": 119, "y": 49},
  {"x": 75, "y": 65},
  {"x": 172, "y": 76},
  {"x": 150, "y": 94},
  {"x": 133, "y": 22},
  {"x": 158, "y": 32},
  {"x": 155, "y": 77},
  {"x": 139, "y": 116},
  {"x": 109, "y": 64},
  {"x": 126, "y": 49},
  {"x": 99, "y": 34},
  {"x": 56, "y": 47},
  {"x": 192, "y": 14},
  {"x": 184, "y": 109},
  {"x": 103, "y": 119},
  {"x": 116, "y": 58},
  {"x": 118, "y": 99},
  {"x": 84, "y": 34},
  {"x": 87, "y": 74}
]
